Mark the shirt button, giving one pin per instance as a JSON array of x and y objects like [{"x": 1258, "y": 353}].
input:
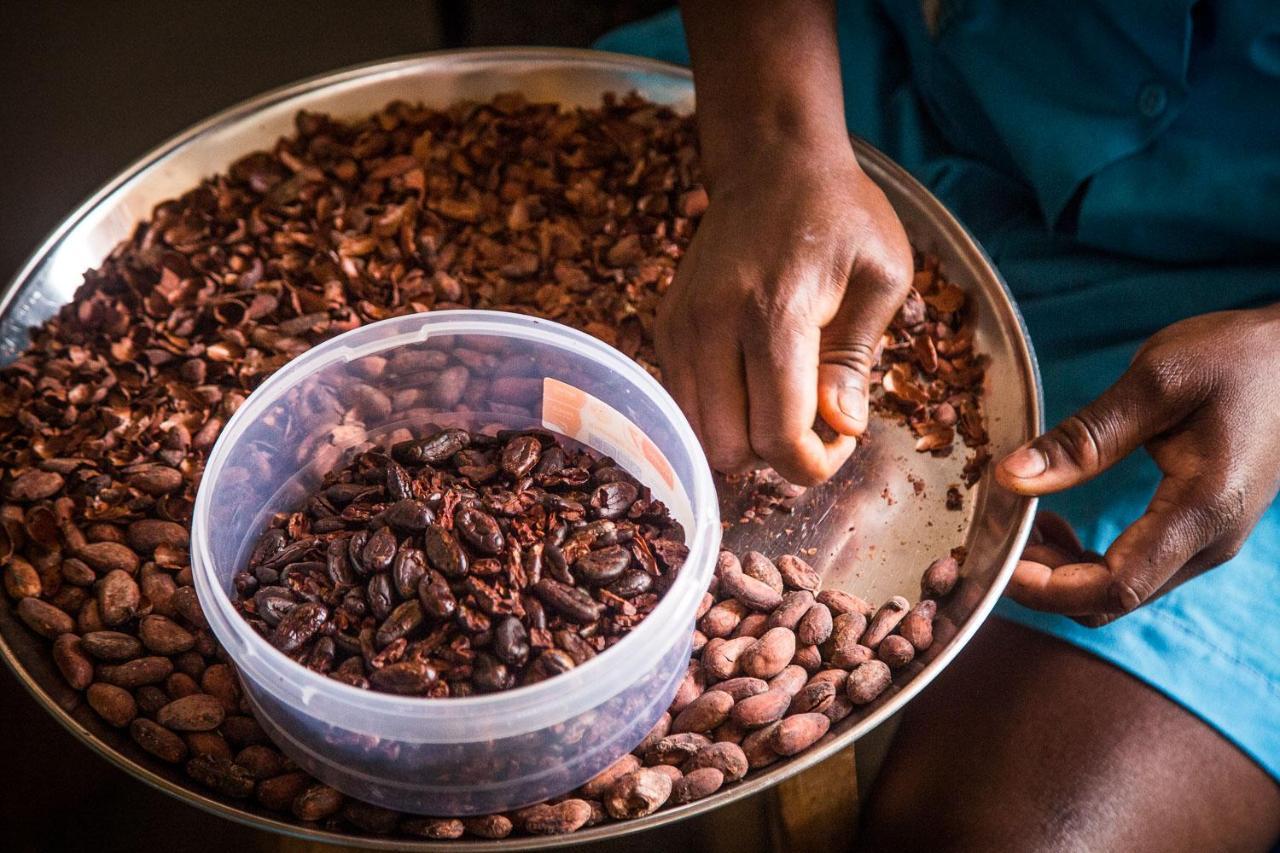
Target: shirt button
[{"x": 1153, "y": 98}]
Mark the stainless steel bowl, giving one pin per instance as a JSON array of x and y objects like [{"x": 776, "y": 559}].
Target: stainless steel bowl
[{"x": 869, "y": 531}]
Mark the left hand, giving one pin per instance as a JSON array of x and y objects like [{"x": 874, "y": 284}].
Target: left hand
[{"x": 1203, "y": 397}]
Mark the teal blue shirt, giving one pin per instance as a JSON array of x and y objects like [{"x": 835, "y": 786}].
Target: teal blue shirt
[{"x": 1147, "y": 128}]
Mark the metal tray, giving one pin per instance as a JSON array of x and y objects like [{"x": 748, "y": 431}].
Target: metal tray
[{"x": 869, "y": 531}]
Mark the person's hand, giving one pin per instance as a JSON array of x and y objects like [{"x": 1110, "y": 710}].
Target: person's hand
[
  {"x": 775, "y": 315},
  {"x": 1203, "y": 397}
]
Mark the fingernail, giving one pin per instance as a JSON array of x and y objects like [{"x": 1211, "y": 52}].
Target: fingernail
[
  {"x": 853, "y": 403},
  {"x": 1026, "y": 463}
]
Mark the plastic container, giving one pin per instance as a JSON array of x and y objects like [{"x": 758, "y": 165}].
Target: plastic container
[{"x": 478, "y": 754}]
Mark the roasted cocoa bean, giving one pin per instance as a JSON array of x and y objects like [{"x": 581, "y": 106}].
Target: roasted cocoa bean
[
  {"x": 896, "y": 651},
  {"x": 637, "y": 794},
  {"x": 867, "y": 681},
  {"x": 72, "y": 662},
  {"x": 940, "y": 578},
  {"x": 797, "y": 574},
  {"x": 885, "y": 620},
  {"x": 157, "y": 740},
  {"x": 113, "y": 704},
  {"x": 814, "y": 627},
  {"x": 767, "y": 656},
  {"x": 198, "y": 712},
  {"x": 797, "y": 733},
  {"x": 704, "y": 713},
  {"x": 795, "y": 604},
  {"x": 917, "y": 625}
]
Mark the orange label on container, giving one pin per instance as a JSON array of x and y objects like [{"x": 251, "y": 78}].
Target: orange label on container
[{"x": 573, "y": 412}]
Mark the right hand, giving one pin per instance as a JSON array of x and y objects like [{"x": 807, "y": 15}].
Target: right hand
[{"x": 777, "y": 309}]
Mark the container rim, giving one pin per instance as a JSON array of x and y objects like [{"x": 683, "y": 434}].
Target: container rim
[{"x": 520, "y": 709}]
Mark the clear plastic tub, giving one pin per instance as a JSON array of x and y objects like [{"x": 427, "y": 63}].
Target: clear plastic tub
[{"x": 476, "y": 754}]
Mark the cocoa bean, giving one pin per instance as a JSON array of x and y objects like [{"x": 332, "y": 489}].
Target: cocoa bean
[
  {"x": 754, "y": 594},
  {"x": 602, "y": 781},
  {"x": 702, "y": 782},
  {"x": 761, "y": 710},
  {"x": 814, "y": 627},
  {"x": 21, "y": 580},
  {"x": 724, "y": 756},
  {"x": 896, "y": 651},
  {"x": 637, "y": 794},
  {"x": 752, "y": 625},
  {"x": 795, "y": 604},
  {"x": 867, "y": 681},
  {"x": 198, "y": 712},
  {"x": 917, "y": 625},
  {"x": 439, "y": 828},
  {"x": 559, "y": 819},
  {"x": 760, "y": 567},
  {"x": 113, "y": 704},
  {"x": 147, "y": 534},
  {"x": 157, "y": 740},
  {"x": 208, "y": 743},
  {"x": 675, "y": 749},
  {"x": 797, "y": 574},
  {"x": 721, "y": 661},
  {"x": 885, "y": 620},
  {"x": 108, "y": 557},
  {"x": 704, "y": 713},
  {"x": 839, "y": 601},
  {"x": 221, "y": 775},
  {"x": 743, "y": 686},
  {"x": 35, "y": 485},
  {"x": 492, "y": 826},
  {"x": 69, "y": 656},
  {"x": 164, "y": 636},
  {"x": 655, "y": 735},
  {"x": 135, "y": 673},
  {"x": 112, "y": 646},
  {"x": 118, "y": 597},
  {"x": 43, "y": 618},
  {"x": 279, "y": 792},
  {"x": 758, "y": 748},
  {"x": 790, "y": 680},
  {"x": 797, "y": 733},
  {"x": 770, "y": 654},
  {"x": 939, "y": 578},
  {"x": 317, "y": 802}
]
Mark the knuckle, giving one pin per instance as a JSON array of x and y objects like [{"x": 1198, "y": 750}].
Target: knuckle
[
  {"x": 729, "y": 459},
  {"x": 1158, "y": 372},
  {"x": 1080, "y": 439},
  {"x": 856, "y": 354},
  {"x": 1225, "y": 508}
]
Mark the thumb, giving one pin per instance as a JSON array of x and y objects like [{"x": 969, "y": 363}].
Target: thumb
[
  {"x": 1126, "y": 416},
  {"x": 850, "y": 348}
]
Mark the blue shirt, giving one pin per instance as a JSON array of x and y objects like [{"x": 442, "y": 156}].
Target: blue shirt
[{"x": 1146, "y": 128}]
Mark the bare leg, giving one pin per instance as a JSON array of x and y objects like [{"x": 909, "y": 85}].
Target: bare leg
[{"x": 1028, "y": 743}]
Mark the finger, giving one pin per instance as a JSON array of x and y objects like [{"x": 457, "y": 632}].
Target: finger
[
  {"x": 1047, "y": 554},
  {"x": 850, "y": 343},
  {"x": 1071, "y": 589},
  {"x": 1058, "y": 532},
  {"x": 1183, "y": 520},
  {"x": 681, "y": 382},
  {"x": 782, "y": 372},
  {"x": 722, "y": 405},
  {"x": 1092, "y": 440}
]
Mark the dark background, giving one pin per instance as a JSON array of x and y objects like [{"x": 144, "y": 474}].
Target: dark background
[{"x": 86, "y": 88}]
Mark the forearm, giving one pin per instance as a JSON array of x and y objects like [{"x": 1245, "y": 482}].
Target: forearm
[{"x": 768, "y": 77}]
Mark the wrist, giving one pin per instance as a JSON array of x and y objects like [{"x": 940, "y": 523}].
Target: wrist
[{"x": 773, "y": 156}]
